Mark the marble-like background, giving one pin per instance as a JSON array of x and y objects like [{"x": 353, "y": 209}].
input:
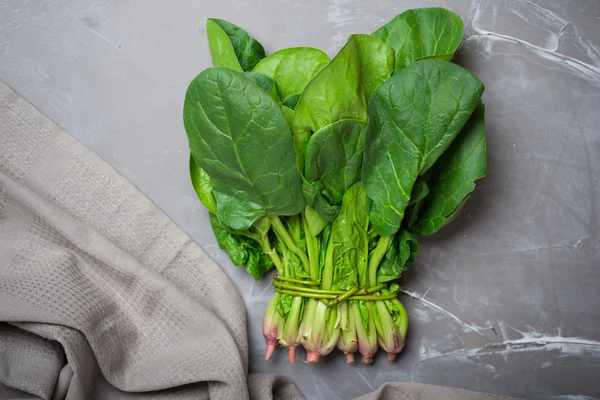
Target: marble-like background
[{"x": 505, "y": 300}]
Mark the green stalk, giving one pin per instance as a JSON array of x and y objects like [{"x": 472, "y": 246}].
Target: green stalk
[
  {"x": 332, "y": 331},
  {"x": 374, "y": 297},
  {"x": 289, "y": 242},
  {"x": 312, "y": 247},
  {"x": 375, "y": 259},
  {"x": 289, "y": 334},
  {"x": 367, "y": 337},
  {"x": 348, "y": 341},
  {"x": 284, "y": 286},
  {"x": 303, "y": 294},
  {"x": 309, "y": 316},
  {"x": 333, "y": 297},
  {"x": 286, "y": 279},
  {"x": 271, "y": 322},
  {"x": 402, "y": 320},
  {"x": 271, "y": 252},
  {"x": 343, "y": 297},
  {"x": 328, "y": 268},
  {"x": 281, "y": 284}
]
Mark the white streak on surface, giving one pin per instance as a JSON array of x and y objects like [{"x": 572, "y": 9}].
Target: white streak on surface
[{"x": 447, "y": 313}]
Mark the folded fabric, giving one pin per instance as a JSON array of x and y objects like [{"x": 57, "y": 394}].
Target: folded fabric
[{"x": 103, "y": 297}]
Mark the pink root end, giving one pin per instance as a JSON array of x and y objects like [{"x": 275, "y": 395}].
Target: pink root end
[
  {"x": 392, "y": 356},
  {"x": 312, "y": 357},
  {"x": 349, "y": 358},
  {"x": 367, "y": 359},
  {"x": 270, "y": 350},
  {"x": 292, "y": 354}
]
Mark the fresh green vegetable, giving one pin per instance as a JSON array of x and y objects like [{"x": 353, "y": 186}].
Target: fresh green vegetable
[
  {"x": 327, "y": 171},
  {"x": 333, "y": 164},
  {"x": 414, "y": 116},
  {"x": 221, "y": 48},
  {"x": 422, "y": 33},
  {"x": 453, "y": 176},
  {"x": 202, "y": 186},
  {"x": 376, "y": 62},
  {"x": 267, "y": 84},
  {"x": 335, "y": 93},
  {"x": 239, "y": 136},
  {"x": 247, "y": 51},
  {"x": 292, "y": 69}
]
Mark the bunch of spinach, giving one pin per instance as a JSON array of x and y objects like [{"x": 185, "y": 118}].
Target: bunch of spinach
[{"x": 328, "y": 169}]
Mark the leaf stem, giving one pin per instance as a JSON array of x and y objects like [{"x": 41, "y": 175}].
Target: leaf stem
[
  {"x": 376, "y": 256},
  {"x": 286, "y": 279},
  {"x": 303, "y": 294},
  {"x": 283, "y": 285},
  {"x": 272, "y": 253},
  {"x": 312, "y": 247},
  {"x": 289, "y": 242},
  {"x": 342, "y": 297},
  {"x": 333, "y": 296}
]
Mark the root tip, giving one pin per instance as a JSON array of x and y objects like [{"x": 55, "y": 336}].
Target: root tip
[
  {"x": 312, "y": 357},
  {"x": 270, "y": 350},
  {"x": 349, "y": 358},
  {"x": 392, "y": 356},
  {"x": 292, "y": 354},
  {"x": 367, "y": 359}
]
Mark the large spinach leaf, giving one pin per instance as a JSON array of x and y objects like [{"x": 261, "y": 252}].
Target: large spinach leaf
[
  {"x": 376, "y": 62},
  {"x": 453, "y": 176},
  {"x": 292, "y": 68},
  {"x": 242, "y": 250},
  {"x": 422, "y": 32},
  {"x": 413, "y": 118},
  {"x": 333, "y": 94},
  {"x": 247, "y": 51},
  {"x": 202, "y": 186},
  {"x": 240, "y": 137},
  {"x": 348, "y": 242},
  {"x": 333, "y": 164}
]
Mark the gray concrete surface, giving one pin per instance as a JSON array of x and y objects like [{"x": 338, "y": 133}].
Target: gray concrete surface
[{"x": 505, "y": 300}]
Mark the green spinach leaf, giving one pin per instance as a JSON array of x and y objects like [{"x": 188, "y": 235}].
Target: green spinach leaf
[
  {"x": 453, "y": 176},
  {"x": 266, "y": 83},
  {"x": 247, "y": 50},
  {"x": 242, "y": 249},
  {"x": 284, "y": 304},
  {"x": 333, "y": 94},
  {"x": 292, "y": 68},
  {"x": 413, "y": 118},
  {"x": 403, "y": 250},
  {"x": 364, "y": 314},
  {"x": 422, "y": 32},
  {"x": 291, "y": 101},
  {"x": 221, "y": 49},
  {"x": 289, "y": 115},
  {"x": 419, "y": 191},
  {"x": 333, "y": 165},
  {"x": 408, "y": 247},
  {"x": 240, "y": 137},
  {"x": 202, "y": 186},
  {"x": 349, "y": 242},
  {"x": 376, "y": 62}
]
